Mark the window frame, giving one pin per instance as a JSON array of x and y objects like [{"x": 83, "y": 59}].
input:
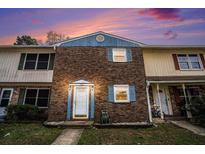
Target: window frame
[
  {"x": 188, "y": 93},
  {"x": 36, "y": 64},
  {"x": 190, "y": 63},
  {"x": 114, "y": 50},
  {"x": 1, "y": 94},
  {"x": 36, "y": 96},
  {"x": 127, "y": 90}
]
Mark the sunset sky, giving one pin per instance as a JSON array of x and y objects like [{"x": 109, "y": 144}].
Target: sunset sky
[{"x": 150, "y": 26}]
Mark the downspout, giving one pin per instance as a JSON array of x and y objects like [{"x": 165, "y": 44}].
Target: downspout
[{"x": 148, "y": 102}]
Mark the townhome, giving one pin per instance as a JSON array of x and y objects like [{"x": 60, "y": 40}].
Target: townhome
[
  {"x": 26, "y": 74},
  {"x": 80, "y": 78},
  {"x": 174, "y": 75}
]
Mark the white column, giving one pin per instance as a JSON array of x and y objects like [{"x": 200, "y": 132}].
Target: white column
[
  {"x": 160, "y": 103},
  {"x": 186, "y": 101},
  {"x": 148, "y": 102}
]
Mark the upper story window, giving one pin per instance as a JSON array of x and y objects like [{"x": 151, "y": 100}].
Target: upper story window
[
  {"x": 43, "y": 60},
  {"x": 119, "y": 55},
  {"x": 30, "y": 62},
  {"x": 40, "y": 61},
  {"x": 189, "y": 62}
]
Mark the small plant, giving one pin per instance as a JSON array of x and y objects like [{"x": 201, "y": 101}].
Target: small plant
[
  {"x": 197, "y": 108},
  {"x": 25, "y": 113}
]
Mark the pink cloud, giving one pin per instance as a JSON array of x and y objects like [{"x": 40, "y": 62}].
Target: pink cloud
[
  {"x": 36, "y": 21},
  {"x": 162, "y": 14}
]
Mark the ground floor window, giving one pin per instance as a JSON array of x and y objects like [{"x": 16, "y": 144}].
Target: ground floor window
[
  {"x": 121, "y": 93},
  {"x": 191, "y": 91},
  {"x": 37, "y": 97},
  {"x": 5, "y": 97}
]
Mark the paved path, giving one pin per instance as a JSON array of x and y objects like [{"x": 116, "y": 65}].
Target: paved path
[
  {"x": 195, "y": 129},
  {"x": 68, "y": 136}
]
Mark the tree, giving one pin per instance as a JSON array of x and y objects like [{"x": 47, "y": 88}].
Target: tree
[
  {"x": 54, "y": 37},
  {"x": 25, "y": 40}
]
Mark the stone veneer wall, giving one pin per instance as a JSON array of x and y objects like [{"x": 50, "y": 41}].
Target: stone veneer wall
[{"x": 91, "y": 64}]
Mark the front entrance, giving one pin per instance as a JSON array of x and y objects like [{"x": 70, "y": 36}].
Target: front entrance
[
  {"x": 165, "y": 103},
  {"x": 162, "y": 104},
  {"x": 81, "y": 102},
  {"x": 5, "y": 98}
]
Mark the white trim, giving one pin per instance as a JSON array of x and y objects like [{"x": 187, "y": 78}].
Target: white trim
[
  {"x": 36, "y": 62},
  {"x": 148, "y": 103},
  {"x": 115, "y": 51},
  {"x": 74, "y": 101},
  {"x": 102, "y": 33},
  {"x": 127, "y": 90},
  {"x": 10, "y": 97},
  {"x": 49, "y": 59},
  {"x": 37, "y": 96},
  {"x": 175, "y": 81}
]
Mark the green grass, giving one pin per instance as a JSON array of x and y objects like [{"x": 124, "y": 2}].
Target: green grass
[
  {"x": 34, "y": 133},
  {"x": 163, "y": 134}
]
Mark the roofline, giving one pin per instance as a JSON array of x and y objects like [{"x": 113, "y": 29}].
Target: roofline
[
  {"x": 142, "y": 46},
  {"x": 172, "y": 46},
  {"x": 99, "y": 32},
  {"x": 176, "y": 81},
  {"x": 26, "y": 46}
]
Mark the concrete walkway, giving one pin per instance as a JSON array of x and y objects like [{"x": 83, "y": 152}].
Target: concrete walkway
[
  {"x": 195, "y": 129},
  {"x": 68, "y": 137}
]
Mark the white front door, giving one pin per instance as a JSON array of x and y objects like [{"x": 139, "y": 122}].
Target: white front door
[
  {"x": 166, "y": 106},
  {"x": 81, "y": 102}
]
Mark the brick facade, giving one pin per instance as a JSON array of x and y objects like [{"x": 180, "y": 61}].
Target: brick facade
[{"x": 91, "y": 64}]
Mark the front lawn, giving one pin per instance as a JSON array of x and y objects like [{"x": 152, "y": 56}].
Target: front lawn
[
  {"x": 163, "y": 134},
  {"x": 34, "y": 133}
]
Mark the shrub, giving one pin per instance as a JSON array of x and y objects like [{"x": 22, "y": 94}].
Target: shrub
[
  {"x": 197, "y": 108},
  {"x": 25, "y": 113}
]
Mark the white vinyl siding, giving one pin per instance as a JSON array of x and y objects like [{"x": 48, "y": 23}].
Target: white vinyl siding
[
  {"x": 9, "y": 62},
  {"x": 160, "y": 63}
]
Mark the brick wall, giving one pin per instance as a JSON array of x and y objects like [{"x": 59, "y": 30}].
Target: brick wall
[{"x": 91, "y": 64}]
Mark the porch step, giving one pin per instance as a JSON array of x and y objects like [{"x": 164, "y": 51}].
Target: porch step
[
  {"x": 69, "y": 124},
  {"x": 124, "y": 125}
]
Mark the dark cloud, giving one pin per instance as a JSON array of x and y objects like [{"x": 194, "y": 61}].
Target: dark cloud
[
  {"x": 170, "y": 35},
  {"x": 162, "y": 14}
]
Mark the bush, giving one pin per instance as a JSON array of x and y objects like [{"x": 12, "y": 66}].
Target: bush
[
  {"x": 25, "y": 113},
  {"x": 197, "y": 108}
]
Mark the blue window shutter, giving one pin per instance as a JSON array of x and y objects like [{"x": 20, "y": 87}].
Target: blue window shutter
[
  {"x": 69, "y": 103},
  {"x": 92, "y": 103},
  {"x": 132, "y": 93},
  {"x": 129, "y": 55},
  {"x": 110, "y": 93},
  {"x": 109, "y": 54}
]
